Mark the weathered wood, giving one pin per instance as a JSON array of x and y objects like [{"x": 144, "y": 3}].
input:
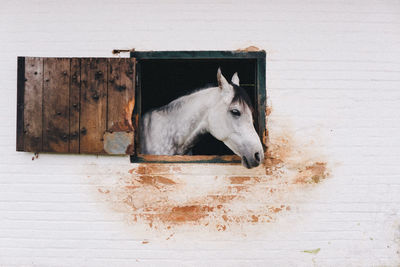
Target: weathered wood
[
  {"x": 74, "y": 105},
  {"x": 62, "y": 105},
  {"x": 33, "y": 104},
  {"x": 120, "y": 104},
  {"x": 56, "y": 104},
  {"x": 120, "y": 94},
  {"x": 233, "y": 159},
  {"x": 20, "y": 103},
  {"x": 93, "y": 104}
]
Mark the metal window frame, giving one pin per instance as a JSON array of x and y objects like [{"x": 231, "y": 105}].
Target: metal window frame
[{"x": 259, "y": 56}]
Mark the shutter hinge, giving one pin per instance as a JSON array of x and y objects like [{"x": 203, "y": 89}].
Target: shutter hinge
[{"x": 117, "y": 51}]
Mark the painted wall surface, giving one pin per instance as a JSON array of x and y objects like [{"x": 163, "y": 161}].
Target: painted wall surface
[{"x": 329, "y": 193}]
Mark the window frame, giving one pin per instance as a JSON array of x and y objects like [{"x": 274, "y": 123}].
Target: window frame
[{"x": 261, "y": 95}]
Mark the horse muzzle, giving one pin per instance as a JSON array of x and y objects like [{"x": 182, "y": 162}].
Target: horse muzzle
[{"x": 252, "y": 160}]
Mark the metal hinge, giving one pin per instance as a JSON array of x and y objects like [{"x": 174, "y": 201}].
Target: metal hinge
[{"x": 117, "y": 51}]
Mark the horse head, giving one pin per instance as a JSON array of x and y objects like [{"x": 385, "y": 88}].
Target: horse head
[{"x": 231, "y": 121}]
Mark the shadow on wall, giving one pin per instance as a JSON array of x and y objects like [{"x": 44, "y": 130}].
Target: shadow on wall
[{"x": 227, "y": 198}]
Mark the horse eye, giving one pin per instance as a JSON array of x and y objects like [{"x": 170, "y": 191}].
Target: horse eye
[{"x": 235, "y": 112}]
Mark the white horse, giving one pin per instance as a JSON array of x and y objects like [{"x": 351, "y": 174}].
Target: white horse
[{"x": 224, "y": 111}]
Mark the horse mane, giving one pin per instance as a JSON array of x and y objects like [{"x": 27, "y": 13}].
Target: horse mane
[{"x": 240, "y": 96}]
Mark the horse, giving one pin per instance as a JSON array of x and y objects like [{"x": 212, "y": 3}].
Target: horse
[{"x": 224, "y": 111}]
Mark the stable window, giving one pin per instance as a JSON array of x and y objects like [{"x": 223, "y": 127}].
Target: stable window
[
  {"x": 166, "y": 75},
  {"x": 94, "y": 105}
]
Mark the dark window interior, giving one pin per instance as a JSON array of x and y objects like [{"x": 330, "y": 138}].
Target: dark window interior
[{"x": 163, "y": 80}]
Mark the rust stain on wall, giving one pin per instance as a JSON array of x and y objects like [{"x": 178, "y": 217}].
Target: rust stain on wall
[
  {"x": 169, "y": 196},
  {"x": 155, "y": 180},
  {"x": 313, "y": 173},
  {"x": 251, "y": 48}
]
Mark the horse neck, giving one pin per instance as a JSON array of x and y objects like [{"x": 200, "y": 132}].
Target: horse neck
[{"x": 190, "y": 119}]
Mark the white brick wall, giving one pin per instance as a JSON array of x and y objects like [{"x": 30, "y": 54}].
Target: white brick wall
[{"x": 333, "y": 77}]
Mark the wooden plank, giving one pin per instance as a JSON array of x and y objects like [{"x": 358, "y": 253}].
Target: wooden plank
[
  {"x": 33, "y": 104},
  {"x": 231, "y": 159},
  {"x": 93, "y": 105},
  {"x": 20, "y": 103},
  {"x": 74, "y": 103},
  {"x": 120, "y": 103},
  {"x": 56, "y": 104}
]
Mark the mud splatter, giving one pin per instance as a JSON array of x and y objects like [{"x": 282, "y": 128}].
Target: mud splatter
[
  {"x": 155, "y": 180},
  {"x": 313, "y": 173},
  {"x": 221, "y": 198},
  {"x": 103, "y": 191}
]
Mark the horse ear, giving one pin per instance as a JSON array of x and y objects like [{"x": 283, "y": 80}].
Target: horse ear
[
  {"x": 235, "y": 79},
  {"x": 226, "y": 88},
  {"x": 222, "y": 82}
]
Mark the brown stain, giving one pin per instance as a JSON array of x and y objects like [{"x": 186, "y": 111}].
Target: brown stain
[
  {"x": 277, "y": 154},
  {"x": 275, "y": 209},
  {"x": 149, "y": 169},
  {"x": 130, "y": 149},
  {"x": 120, "y": 126},
  {"x": 221, "y": 227},
  {"x": 181, "y": 214},
  {"x": 244, "y": 179},
  {"x": 268, "y": 111},
  {"x": 238, "y": 188},
  {"x": 103, "y": 191},
  {"x": 251, "y": 48},
  {"x": 221, "y": 199},
  {"x": 176, "y": 169},
  {"x": 154, "y": 180},
  {"x": 145, "y": 242},
  {"x": 148, "y": 195},
  {"x": 313, "y": 173},
  {"x": 169, "y": 237},
  {"x": 239, "y": 180}
]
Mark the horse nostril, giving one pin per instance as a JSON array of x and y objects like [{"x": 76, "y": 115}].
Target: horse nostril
[{"x": 257, "y": 157}]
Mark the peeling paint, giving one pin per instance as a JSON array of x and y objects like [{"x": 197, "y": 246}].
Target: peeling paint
[
  {"x": 250, "y": 48},
  {"x": 118, "y": 142},
  {"x": 119, "y": 138}
]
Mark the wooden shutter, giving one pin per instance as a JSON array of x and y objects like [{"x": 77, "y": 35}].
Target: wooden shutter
[{"x": 76, "y": 105}]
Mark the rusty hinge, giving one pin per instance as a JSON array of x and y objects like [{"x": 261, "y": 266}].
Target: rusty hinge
[{"x": 117, "y": 51}]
